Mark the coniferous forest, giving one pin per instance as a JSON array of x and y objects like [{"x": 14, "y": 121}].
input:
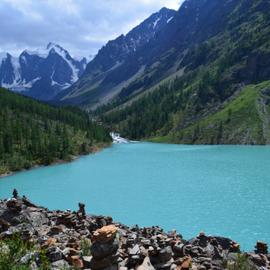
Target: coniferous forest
[{"x": 33, "y": 133}]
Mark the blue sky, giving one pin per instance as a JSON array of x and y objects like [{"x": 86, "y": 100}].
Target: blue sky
[{"x": 81, "y": 26}]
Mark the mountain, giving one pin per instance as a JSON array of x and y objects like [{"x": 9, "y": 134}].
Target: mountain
[
  {"x": 33, "y": 133},
  {"x": 116, "y": 65},
  {"x": 40, "y": 74},
  {"x": 206, "y": 78}
]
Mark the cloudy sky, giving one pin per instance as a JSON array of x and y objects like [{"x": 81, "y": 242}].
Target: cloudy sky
[{"x": 81, "y": 26}]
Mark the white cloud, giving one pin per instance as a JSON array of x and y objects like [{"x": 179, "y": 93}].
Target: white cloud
[{"x": 82, "y": 26}]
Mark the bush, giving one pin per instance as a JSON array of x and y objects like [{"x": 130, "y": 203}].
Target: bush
[
  {"x": 17, "y": 254},
  {"x": 241, "y": 263}
]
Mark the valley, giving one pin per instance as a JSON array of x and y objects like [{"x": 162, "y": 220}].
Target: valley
[{"x": 166, "y": 126}]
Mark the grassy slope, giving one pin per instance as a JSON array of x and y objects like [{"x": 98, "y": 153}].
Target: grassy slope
[{"x": 241, "y": 121}]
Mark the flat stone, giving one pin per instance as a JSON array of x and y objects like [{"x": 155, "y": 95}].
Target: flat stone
[
  {"x": 106, "y": 233},
  {"x": 135, "y": 250}
]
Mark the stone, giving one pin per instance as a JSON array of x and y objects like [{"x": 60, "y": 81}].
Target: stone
[
  {"x": 186, "y": 263},
  {"x": 261, "y": 248},
  {"x": 103, "y": 263},
  {"x": 14, "y": 205},
  {"x": 50, "y": 242},
  {"x": 164, "y": 265},
  {"x": 101, "y": 250},
  {"x": 68, "y": 252},
  {"x": 234, "y": 247},
  {"x": 135, "y": 250},
  {"x": 87, "y": 261},
  {"x": 27, "y": 258},
  {"x": 258, "y": 260},
  {"x": 146, "y": 242},
  {"x": 54, "y": 254},
  {"x": 82, "y": 209},
  {"x": 15, "y": 193},
  {"x": 106, "y": 233},
  {"x": 165, "y": 254},
  {"x": 61, "y": 264},
  {"x": 146, "y": 265},
  {"x": 76, "y": 262},
  {"x": 178, "y": 249},
  {"x": 4, "y": 225},
  {"x": 56, "y": 230}
]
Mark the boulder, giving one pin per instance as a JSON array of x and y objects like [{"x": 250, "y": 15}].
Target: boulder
[{"x": 101, "y": 250}]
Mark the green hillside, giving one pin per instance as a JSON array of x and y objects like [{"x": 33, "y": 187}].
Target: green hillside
[
  {"x": 213, "y": 100},
  {"x": 244, "y": 120},
  {"x": 33, "y": 133}
]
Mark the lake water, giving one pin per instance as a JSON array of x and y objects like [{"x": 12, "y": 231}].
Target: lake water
[{"x": 222, "y": 190}]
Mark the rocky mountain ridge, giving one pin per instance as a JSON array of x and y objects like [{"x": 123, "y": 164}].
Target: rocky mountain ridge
[
  {"x": 41, "y": 74},
  {"x": 77, "y": 240},
  {"x": 116, "y": 64}
]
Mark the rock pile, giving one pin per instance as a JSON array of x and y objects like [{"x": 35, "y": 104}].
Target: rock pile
[
  {"x": 75, "y": 239},
  {"x": 104, "y": 249}
]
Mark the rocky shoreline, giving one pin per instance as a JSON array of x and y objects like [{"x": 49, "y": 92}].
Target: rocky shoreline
[{"x": 75, "y": 240}]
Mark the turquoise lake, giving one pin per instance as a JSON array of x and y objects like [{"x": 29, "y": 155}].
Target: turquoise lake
[{"x": 222, "y": 190}]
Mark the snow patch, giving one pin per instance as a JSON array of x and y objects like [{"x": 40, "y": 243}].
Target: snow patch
[
  {"x": 62, "y": 86},
  {"x": 18, "y": 86},
  {"x": 155, "y": 23},
  {"x": 42, "y": 53},
  {"x": 170, "y": 19},
  {"x": 16, "y": 69}
]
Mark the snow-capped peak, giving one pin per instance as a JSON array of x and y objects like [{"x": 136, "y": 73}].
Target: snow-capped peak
[
  {"x": 55, "y": 46},
  {"x": 42, "y": 53},
  {"x": 50, "y": 67}
]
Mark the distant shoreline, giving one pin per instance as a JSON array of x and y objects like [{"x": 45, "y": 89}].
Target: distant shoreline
[{"x": 94, "y": 149}]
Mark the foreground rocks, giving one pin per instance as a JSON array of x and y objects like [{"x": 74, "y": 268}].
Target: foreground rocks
[{"x": 76, "y": 240}]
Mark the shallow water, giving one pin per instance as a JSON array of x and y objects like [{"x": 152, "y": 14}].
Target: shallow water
[{"x": 222, "y": 190}]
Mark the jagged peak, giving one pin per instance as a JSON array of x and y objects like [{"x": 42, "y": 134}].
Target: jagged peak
[{"x": 52, "y": 45}]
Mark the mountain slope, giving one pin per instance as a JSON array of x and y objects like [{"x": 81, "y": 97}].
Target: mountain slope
[
  {"x": 228, "y": 49},
  {"x": 41, "y": 74},
  {"x": 244, "y": 120},
  {"x": 33, "y": 133},
  {"x": 116, "y": 64}
]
